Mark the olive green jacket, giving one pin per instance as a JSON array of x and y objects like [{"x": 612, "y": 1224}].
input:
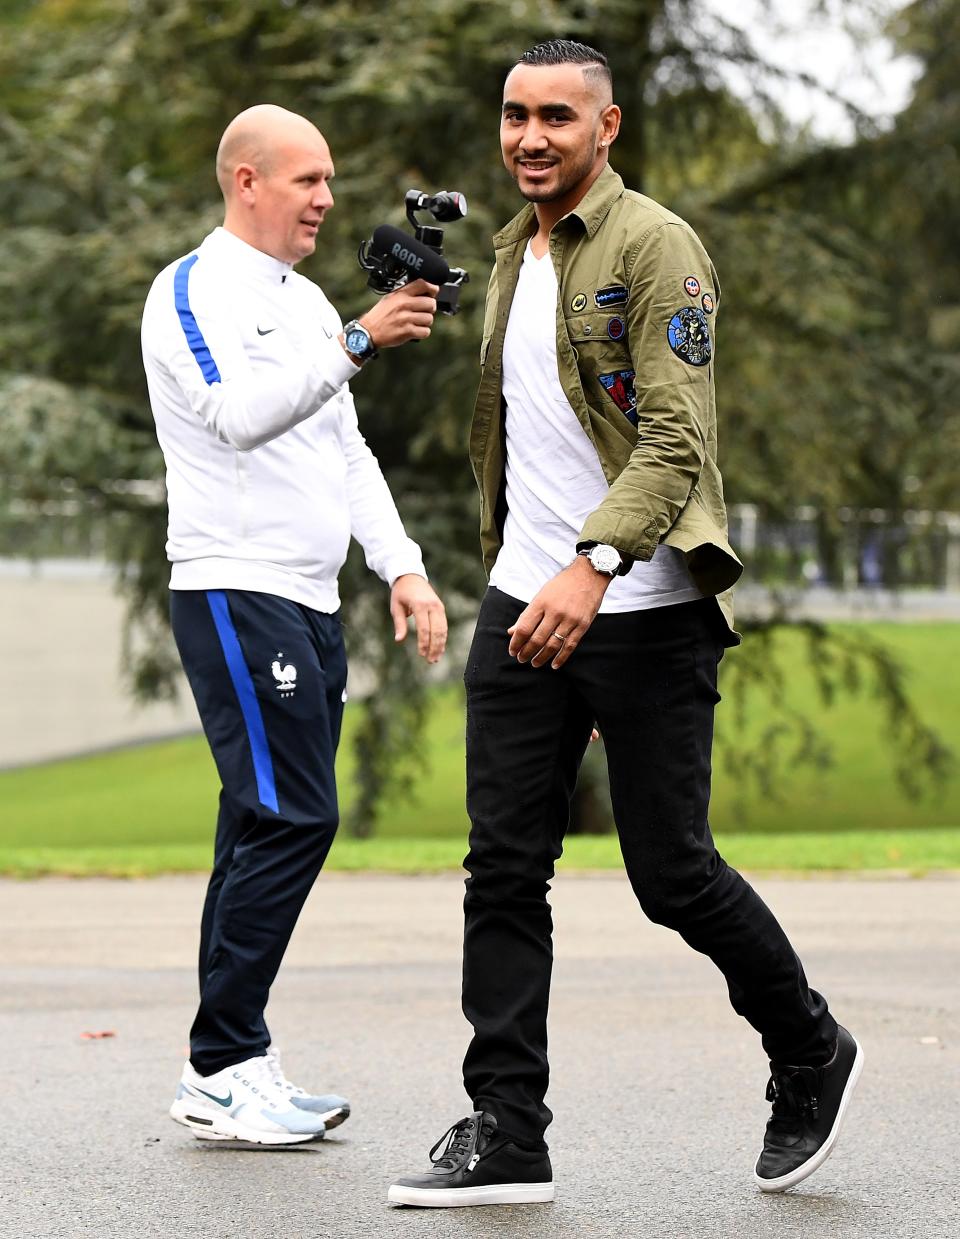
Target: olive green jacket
[{"x": 636, "y": 327}]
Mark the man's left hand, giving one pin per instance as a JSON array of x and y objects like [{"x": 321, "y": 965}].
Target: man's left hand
[
  {"x": 553, "y": 624},
  {"x": 412, "y": 595}
]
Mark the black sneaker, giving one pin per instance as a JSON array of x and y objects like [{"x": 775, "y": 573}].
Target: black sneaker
[
  {"x": 809, "y": 1104},
  {"x": 477, "y": 1166}
]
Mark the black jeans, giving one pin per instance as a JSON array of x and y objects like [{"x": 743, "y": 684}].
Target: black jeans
[
  {"x": 268, "y": 676},
  {"x": 648, "y": 679}
]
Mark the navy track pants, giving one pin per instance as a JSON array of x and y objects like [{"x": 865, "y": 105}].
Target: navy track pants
[{"x": 268, "y": 676}]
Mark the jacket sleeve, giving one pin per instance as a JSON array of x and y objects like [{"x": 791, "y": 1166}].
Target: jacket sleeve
[
  {"x": 670, "y": 317},
  {"x": 374, "y": 519},
  {"x": 244, "y": 403}
]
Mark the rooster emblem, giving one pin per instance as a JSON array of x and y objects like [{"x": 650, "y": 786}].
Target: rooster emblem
[{"x": 286, "y": 677}]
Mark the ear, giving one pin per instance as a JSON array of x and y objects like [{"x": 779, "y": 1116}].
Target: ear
[
  {"x": 245, "y": 183},
  {"x": 609, "y": 124}
]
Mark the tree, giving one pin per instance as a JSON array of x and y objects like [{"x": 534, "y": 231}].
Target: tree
[{"x": 110, "y": 111}]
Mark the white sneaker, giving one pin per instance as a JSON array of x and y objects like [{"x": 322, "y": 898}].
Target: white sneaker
[
  {"x": 242, "y": 1103},
  {"x": 329, "y": 1107}
]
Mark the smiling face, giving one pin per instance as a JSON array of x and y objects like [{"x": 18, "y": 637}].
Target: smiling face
[{"x": 555, "y": 131}]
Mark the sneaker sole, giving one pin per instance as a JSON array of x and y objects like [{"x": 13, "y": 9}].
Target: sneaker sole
[
  {"x": 332, "y": 1118},
  {"x": 814, "y": 1163},
  {"x": 206, "y": 1126},
  {"x": 458, "y": 1197}
]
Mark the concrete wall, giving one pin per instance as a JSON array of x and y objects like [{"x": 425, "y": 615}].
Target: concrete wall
[{"x": 60, "y": 686}]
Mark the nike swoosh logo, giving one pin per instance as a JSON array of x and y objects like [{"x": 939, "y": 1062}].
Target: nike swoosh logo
[
  {"x": 221, "y": 1101},
  {"x": 261, "y": 332}
]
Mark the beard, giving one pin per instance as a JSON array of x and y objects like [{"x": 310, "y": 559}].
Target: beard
[{"x": 571, "y": 177}]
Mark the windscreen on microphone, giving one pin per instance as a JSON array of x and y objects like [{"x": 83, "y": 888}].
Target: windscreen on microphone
[{"x": 418, "y": 259}]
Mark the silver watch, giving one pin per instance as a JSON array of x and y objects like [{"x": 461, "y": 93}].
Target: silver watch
[{"x": 605, "y": 559}]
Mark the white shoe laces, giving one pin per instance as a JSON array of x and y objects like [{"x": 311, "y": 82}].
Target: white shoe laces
[{"x": 277, "y": 1076}]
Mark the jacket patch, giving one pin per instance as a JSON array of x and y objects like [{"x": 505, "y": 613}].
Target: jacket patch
[
  {"x": 689, "y": 336},
  {"x": 616, "y": 327},
  {"x": 707, "y": 302},
  {"x": 619, "y": 386},
  {"x": 579, "y": 303},
  {"x": 616, "y": 294},
  {"x": 691, "y": 286}
]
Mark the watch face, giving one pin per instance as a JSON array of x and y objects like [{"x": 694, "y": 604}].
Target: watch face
[
  {"x": 605, "y": 558},
  {"x": 357, "y": 340}
]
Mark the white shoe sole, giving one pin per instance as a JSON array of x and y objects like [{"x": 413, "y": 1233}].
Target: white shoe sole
[
  {"x": 209, "y": 1126},
  {"x": 814, "y": 1163},
  {"x": 457, "y": 1197}
]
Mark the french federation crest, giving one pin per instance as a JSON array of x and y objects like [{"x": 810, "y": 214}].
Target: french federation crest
[
  {"x": 689, "y": 336},
  {"x": 619, "y": 386}
]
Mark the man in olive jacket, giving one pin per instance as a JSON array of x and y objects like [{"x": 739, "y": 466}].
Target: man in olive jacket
[{"x": 604, "y": 532}]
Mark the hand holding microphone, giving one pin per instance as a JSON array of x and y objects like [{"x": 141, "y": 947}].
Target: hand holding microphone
[{"x": 406, "y": 314}]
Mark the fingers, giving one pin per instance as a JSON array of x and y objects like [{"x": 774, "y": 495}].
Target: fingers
[
  {"x": 431, "y": 622},
  {"x": 406, "y": 314},
  {"x": 398, "y": 613},
  {"x": 552, "y": 639},
  {"x": 412, "y": 596},
  {"x": 421, "y": 287}
]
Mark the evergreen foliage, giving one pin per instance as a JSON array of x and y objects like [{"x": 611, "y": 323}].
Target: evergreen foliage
[{"x": 840, "y": 334}]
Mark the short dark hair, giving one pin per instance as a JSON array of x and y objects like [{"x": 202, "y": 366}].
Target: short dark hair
[{"x": 569, "y": 52}]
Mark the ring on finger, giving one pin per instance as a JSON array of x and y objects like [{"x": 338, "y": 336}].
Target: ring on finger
[{"x": 559, "y": 636}]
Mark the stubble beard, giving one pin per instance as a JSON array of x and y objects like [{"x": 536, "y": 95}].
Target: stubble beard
[{"x": 570, "y": 181}]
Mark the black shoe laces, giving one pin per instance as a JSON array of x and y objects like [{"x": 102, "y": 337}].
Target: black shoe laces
[
  {"x": 459, "y": 1143},
  {"x": 794, "y": 1094}
]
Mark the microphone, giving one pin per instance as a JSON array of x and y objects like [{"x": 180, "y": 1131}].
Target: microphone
[{"x": 408, "y": 254}]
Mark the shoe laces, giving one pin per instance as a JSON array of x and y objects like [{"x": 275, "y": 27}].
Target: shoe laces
[
  {"x": 460, "y": 1142},
  {"x": 794, "y": 1094},
  {"x": 277, "y": 1076},
  {"x": 257, "y": 1075}
]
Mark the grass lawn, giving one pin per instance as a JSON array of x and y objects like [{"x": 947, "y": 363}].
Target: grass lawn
[{"x": 151, "y": 809}]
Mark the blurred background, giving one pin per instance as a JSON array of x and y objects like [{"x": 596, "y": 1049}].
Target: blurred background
[{"x": 814, "y": 147}]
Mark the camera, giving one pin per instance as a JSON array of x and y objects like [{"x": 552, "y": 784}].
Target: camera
[{"x": 392, "y": 258}]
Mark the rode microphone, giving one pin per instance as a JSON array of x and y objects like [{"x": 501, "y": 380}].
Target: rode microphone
[{"x": 398, "y": 255}]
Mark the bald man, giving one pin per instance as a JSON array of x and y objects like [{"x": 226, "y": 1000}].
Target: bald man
[
  {"x": 594, "y": 445},
  {"x": 248, "y": 367}
]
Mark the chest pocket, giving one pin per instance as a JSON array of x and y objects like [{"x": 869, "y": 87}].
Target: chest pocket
[
  {"x": 600, "y": 329},
  {"x": 599, "y": 340}
]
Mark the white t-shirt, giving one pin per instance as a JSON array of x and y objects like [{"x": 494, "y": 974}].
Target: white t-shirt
[
  {"x": 268, "y": 474},
  {"x": 553, "y": 475}
]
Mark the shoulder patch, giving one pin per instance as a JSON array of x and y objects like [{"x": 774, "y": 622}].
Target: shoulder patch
[
  {"x": 707, "y": 302},
  {"x": 615, "y": 294},
  {"x": 691, "y": 286},
  {"x": 688, "y": 334}
]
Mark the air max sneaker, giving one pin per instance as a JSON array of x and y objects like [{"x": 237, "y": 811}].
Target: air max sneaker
[
  {"x": 476, "y": 1165},
  {"x": 809, "y": 1105},
  {"x": 333, "y": 1110},
  {"x": 242, "y": 1103}
]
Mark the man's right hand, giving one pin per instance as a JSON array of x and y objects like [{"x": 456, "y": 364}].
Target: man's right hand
[{"x": 406, "y": 314}]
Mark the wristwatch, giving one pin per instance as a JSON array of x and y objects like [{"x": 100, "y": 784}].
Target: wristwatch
[
  {"x": 603, "y": 558},
  {"x": 358, "y": 341}
]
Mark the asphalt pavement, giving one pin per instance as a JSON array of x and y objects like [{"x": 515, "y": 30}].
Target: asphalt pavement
[{"x": 658, "y": 1088}]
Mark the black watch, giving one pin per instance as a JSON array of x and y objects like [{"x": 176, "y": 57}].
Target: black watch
[{"x": 358, "y": 341}]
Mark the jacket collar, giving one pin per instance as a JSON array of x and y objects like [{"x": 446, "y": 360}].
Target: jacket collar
[
  {"x": 591, "y": 210},
  {"x": 239, "y": 254}
]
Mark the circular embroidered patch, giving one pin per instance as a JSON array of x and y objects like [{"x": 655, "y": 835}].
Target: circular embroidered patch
[
  {"x": 579, "y": 303},
  {"x": 689, "y": 336},
  {"x": 616, "y": 327},
  {"x": 707, "y": 302},
  {"x": 691, "y": 285}
]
